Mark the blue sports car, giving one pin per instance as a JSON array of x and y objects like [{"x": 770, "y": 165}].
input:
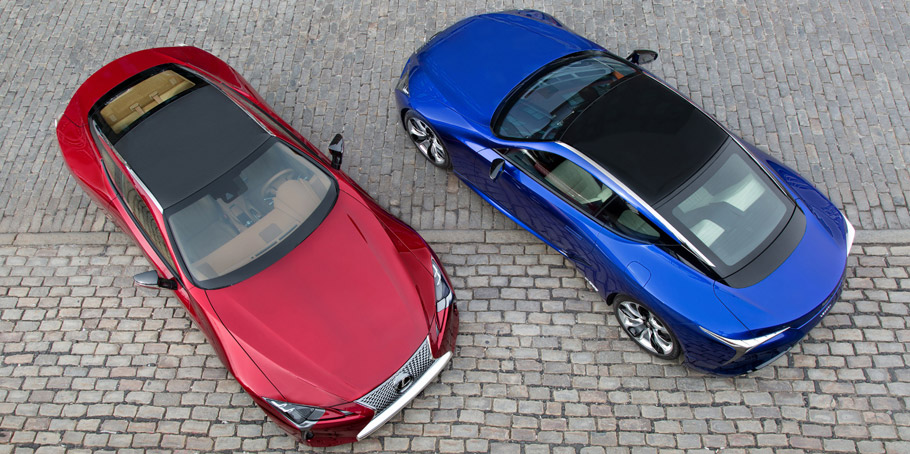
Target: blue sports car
[{"x": 705, "y": 246}]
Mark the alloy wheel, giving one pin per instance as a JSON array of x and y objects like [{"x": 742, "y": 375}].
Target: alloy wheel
[
  {"x": 646, "y": 329},
  {"x": 427, "y": 141}
]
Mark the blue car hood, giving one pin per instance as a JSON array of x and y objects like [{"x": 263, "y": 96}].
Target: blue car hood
[
  {"x": 477, "y": 62},
  {"x": 812, "y": 272}
]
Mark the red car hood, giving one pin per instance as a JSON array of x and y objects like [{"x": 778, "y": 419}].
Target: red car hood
[{"x": 340, "y": 313}]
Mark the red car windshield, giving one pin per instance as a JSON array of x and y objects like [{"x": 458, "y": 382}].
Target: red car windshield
[{"x": 233, "y": 227}]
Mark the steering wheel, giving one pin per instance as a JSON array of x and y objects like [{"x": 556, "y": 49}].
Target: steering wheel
[{"x": 270, "y": 188}]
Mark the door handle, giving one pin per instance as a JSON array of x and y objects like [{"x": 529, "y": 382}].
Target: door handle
[
  {"x": 581, "y": 242},
  {"x": 574, "y": 257},
  {"x": 575, "y": 233}
]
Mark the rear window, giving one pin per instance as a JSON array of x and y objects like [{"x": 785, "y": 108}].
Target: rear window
[
  {"x": 544, "y": 107},
  {"x": 130, "y": 105},
  {"x": 732, "y": 210},
  {"x": 134, "y": 100}
]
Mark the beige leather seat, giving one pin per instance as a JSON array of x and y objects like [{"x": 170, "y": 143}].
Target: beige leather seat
[
  {"x": 205, "y": 228},
  {"x": 578, "y": 183}
]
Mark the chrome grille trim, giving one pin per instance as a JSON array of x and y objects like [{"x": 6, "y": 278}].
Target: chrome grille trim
[{"x": 385, "y": 394}]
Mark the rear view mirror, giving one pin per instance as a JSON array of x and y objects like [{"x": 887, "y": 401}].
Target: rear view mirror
[
  {"x": 151, "y": 279},
  {"x": 336, "y": 149},
  {"x": 642, "y": 56},
  {"x": 496, "y": 168}
]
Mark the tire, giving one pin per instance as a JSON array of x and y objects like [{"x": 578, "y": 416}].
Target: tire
[
  {"x": 427, "y": 140},
  {"x": 646, "y": 328}
]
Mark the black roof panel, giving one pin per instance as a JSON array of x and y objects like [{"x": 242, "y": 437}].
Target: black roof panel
[
  {"x": 188, "y": 143},
  {"x": 647, "y": 136}
]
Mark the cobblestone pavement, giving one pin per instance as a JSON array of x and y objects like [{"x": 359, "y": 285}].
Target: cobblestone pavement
[
  {"x": 823, "y": 86},
  {"x": 93, "y": 363},
  {"x": 89, "y": 363}
]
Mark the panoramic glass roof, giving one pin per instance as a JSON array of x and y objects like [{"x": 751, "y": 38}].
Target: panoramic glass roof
[{"x": 646, "y": 135}]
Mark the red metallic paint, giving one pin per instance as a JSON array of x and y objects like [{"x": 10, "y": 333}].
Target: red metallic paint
[
  {"x": 342, "y": 305},
  {"x": 322, "y": 326}
]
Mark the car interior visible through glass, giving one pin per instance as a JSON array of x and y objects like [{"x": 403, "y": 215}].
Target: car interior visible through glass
[
  {"x": 140, "y": 99},
  {"x": 732, "y": 208},
  {"x": 248, "y": 211},
  {"x": 544, "y": 108},
  {"x": 586, "y": 192}
]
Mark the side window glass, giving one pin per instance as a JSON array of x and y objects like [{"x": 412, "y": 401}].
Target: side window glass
[
  {"x": 147, "y": 223},
  {"x": 586, "y": 192},
  {"x": 626, "y": 220},
  {"x": 134, "y": 203},
  {"x": 564, "y": 177}
]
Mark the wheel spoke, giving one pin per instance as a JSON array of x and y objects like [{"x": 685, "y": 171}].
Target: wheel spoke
[
  {"x": 662, "y": 343},
  {"x": 417, "y": 133},
  {"x": 424, "y": 145},
  {"x": 645, "y": 328},
  {"x": 644, "y": 339},
  {"x": 419, "y": 129},
  {"x": 632, "y": 317},
  {"x": 427, "y": 141},
  {"x": 438, "y": 153}
]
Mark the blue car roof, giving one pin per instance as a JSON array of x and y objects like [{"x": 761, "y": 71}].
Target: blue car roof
[{"x": 478, "y": 61}]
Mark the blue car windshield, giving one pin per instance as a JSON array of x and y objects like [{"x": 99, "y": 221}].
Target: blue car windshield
[{"x": 547, "y": 103}]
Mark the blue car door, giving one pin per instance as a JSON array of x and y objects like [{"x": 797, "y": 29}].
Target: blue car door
[{"x": 543, "y": 192}]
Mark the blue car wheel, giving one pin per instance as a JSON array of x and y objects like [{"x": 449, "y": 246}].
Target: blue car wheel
[
  {"x": 427, "y": 140},
  {"x": 646, "y": 328}
]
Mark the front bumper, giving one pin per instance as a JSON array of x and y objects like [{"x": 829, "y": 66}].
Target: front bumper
[
  {"x": 413, "y": 390},
  {"x": 361, "y": 420}
]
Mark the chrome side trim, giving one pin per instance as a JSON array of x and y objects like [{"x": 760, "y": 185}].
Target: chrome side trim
[
  {"x": 126, "y": 166},
  {"x": 742, "y": 346},
  {"x": 406, "y": 398},
  {"x": 688, "y": 244}
]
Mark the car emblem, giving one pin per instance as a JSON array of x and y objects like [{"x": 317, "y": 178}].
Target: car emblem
[{"x": 402, "y": 382}]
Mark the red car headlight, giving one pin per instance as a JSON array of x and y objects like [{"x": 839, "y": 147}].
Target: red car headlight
[
  {"x": 444, "y": 295},
  {"x": 302, "y": 416}
]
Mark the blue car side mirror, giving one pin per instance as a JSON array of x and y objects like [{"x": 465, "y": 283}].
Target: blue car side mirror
[
  {"x": 496, "y": 168},
  {"x": 642, "y": 56}
]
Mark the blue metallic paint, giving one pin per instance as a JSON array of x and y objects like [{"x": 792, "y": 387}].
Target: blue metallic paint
[
  {"x": 460, "y": 99},
  {"x": 487, "y": 40}
]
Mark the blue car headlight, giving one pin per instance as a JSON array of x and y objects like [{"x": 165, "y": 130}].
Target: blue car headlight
[
  {"x": 851, "y": 233},
  {"x": 302, "y": 416}
]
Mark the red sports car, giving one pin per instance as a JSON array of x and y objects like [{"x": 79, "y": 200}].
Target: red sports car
[{"x": 330, "y": 312}]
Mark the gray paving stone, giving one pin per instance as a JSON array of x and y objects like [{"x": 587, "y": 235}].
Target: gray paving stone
[
  {"x": 827, "y": 101},
  {"x": 91, "y": 364},
  {"x": 514, "y": 385}
]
